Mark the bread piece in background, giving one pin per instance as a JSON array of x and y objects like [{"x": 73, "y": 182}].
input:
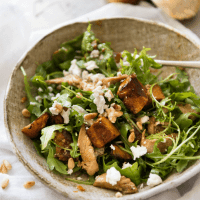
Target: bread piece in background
[{"x": 179, "y": 9}]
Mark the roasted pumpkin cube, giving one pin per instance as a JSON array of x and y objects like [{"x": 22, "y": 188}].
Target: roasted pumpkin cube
[
  {"x": 102, "y": 132},
  {"x": 56, "y": 119},
  {"x": 133, "y": 94},
  {"x": 32, "y": 130},
  {"x": 157, "y": 93},
  {"x": 120, "y": 154}
]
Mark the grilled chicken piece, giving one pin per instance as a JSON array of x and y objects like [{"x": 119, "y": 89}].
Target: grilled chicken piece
[
  {"x": 149, "y": 144},
  {"x": 33, "y": 130},
  {"x": 112, "y": 80},
  {"x": 157, "y": 93},
  {"x": 133, "y": 94},
  {"x": 63, "y": 139},
  {"x": 102, "y": 132},
  {"x": 187, "y": 109},
  {"x": 120, "y": 154},
  {"x": 124, "y": 185},
  {"x": 89, "y": 162}
]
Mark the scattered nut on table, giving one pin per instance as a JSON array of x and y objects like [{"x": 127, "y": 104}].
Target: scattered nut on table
[
  {"x": 26, "y": 113},
  {"x": 29, "y": 184},
  {"x": 7, "y": 164},
  {"x": 4, "y": 183}
]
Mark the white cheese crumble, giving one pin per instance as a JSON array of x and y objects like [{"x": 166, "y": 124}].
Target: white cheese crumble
[
  {"x": 112, "y": 176},
  {"x": 99, "y": 99},
  {"x": 56, "y": 108},
  {"x": 67, "y": 104},
  {"x": 79, "y": 109},
  {"x": 65, "y": 73},
  {"x": 112, "y": 147},
  {"x": 39, "y": 99},
  {"x": 119, "y": 74},
  {"x": 70, "y": 171},
  {"x": 40, "y": 89},
  {"x": 65, "y": 115},
  {"x": 57, "y": 95},
  {"x": 126, "y": 63},
  {"x": 90, "y": 65},
  {"x": 126, "y": 165},
  {"x": 138, "y": 151},
  {"x": 109, "y": 95},
  {"x": 101, "y": 57},
  {"x": 94, "y": 54},
  {"x": 33, "y": 103},
  {"x": 51, "y": 94},
  {"x": 74, "y": 69},
  {"x": 50, "y": 89},
  {"x": 99, "y": 83},
  {"x": 154, "y": 180},
  {"x": 144, "y": 119}
]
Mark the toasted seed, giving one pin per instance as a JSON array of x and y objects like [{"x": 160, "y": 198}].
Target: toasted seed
[
  {"x": 4, "y": 183},
  {"x": 139, "y": 124},
  {"x": 29, "y": 184},
  {"x": 7, "y": 164},
  {"x": 71, "y": 163},
  {"x": 90, "y": 116},
  {"x": 118, "y": 195},
  {"x": 131, "y": 137},
  {"x": 3, "y": 169},
  {"x": 23, "y": 99},
  {"x": 26, "y": 113},
  {"x": 79, "y": 187}
]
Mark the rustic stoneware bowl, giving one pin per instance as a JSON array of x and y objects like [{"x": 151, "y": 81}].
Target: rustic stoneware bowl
[{"x": 123, "y": 33}]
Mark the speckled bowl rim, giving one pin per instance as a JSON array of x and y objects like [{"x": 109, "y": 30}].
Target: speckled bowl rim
[{"x": 192, "y": 171}]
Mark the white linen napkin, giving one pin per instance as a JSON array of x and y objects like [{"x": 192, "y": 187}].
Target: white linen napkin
[{"x": 18, "y": 175}]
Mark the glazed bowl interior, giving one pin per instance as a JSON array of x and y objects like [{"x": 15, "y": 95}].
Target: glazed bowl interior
[{"x": 124, "y": 34}]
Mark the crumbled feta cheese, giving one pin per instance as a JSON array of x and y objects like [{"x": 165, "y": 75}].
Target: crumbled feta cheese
[
  {"x": 40, "y": 89},
  {"x": 94, "y": 54},
  {"x": 112, "y": 147},
  {"x": 39, "y": 99},
  {"x": 118, "y": 194},
  {"x": 96, "y": 77},
  {"x": 119, "y": 74},
  {"x": 154, "y": 180},
  {"x": 65, "y": 73},
  {"x": 45, "y": 96},
  {"x": 141, "y": 186},
  {"x": 85, "y": 75},
  {"x": 112, "y": 176},
  {"x": 74, "y": 69},
  {"x": 99, "y": 83},
  {"x": 79, "y": 109},
  {"x": 90, "y": 65},
  {"x": 126, "y": 63},
  {"x": 67, "y": 104},
  {"x": 138, "y": 151},
  {"x": 51, "y": 94},
  {"x": 126, "y": 165},
  {"x": 33, "y": 103},
  {"x": 57, "y": 95},
  {"x": 79, "y": 178},
  {"x": 99, "y": 99},
  {"x": 65, "y": 115},
  {"x": 144, "y": 119},
  {"x": 50, "y": 89},
  {"x": 70, "y": 171},
  {"x": 109, "y": 95},
  {"x": 56, "y": 108},
  {"x": 101, "y": 57}
]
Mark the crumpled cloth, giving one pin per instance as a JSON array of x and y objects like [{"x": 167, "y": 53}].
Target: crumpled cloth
[{"x": 16, "y": 36}]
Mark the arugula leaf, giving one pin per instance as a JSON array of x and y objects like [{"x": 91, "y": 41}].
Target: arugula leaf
[
  {"x": 38, "y": 81},
  {"x": 90, "y": 182},
  {"x": 75, "y": 43},
  {"x": 54, "y": 163},
  {"x": 74, "y": 146}
]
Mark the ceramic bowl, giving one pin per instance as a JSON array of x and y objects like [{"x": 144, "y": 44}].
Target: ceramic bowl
[{"x": 123, "y": 33}]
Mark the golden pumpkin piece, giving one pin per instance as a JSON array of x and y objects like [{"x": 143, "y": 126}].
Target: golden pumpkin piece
[
  {"x": 32, "y": 130},
  {"x": 102, "y": 132},
  {"x": 89, "y": 162},
  {"x": 133, "y": 94},
  {"x": 124, "y": 185}
]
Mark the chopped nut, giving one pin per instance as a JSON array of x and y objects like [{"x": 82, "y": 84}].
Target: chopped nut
[
  {"x": 139, "y": 124},
  {"x": 131, "y": 137},
  {"x": 113, "y": 114},
  {"x": 59, "y": 87},
  {"x": 23, "y": 99},
  {"x": 26, "y": 113},
  {"x": 79, "y": 187},
  {"x": 3, "y": 169},
  {"x": 118, "y": 195},
  {"x": 4, "y": 183},
  {"x": 90, "y": 116},
  {"x": 7, "y": 164},
  {"x": 71, "y": 163},
  {"x": 29, "y": 184},
  {"x": 109, "y": 95}
]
